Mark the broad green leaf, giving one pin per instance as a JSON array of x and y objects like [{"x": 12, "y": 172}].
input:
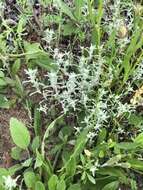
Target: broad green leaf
[
  {"x": 39, "y": 160},
  {"x": 91, "y": 179},
  {"x": 19, "y": 90},
  {"x": 79, "y": 147},
  {"x": 61, "y": 185},
  {"x": 36, "y": 56},
  {"x": 3, "y": 82},
  {"x": 136, "y": 164},
  {"x": 111, "y": 186},
  {"x": 27, "y": 162},
  {"x": 12, "y": 170},
  {"x": 47, "y": 133},
  {"x": 65, "y": 9},
  {"x": 3, "y": 172},
  {"x": 139, "y": 139},
  {"x": 4, "y": 103},
  {"x": 19, "y": 133},
  {"x": 69, "y": 29},
  {"x": 2, "y": 74},
  {"x": 80, "y": 143},
  {"x": 113, "y": 160},
  {"x": 127, "y": 145},
  {"x": 21, "y": 24},
  {"x": 78, "y": 8},
  {"x": 16, "y": 153},
  {"x": 39, "y": 186},
  {"x": 37, "y": 122},
  {"x": 114, "y": 172},
  {"x": 102, "y": 136},
  {"x": 74, "y": 187},
  {"x": 30, "y": 179},
  {"x": 71, "y": 167},
  {"x": 16, "y": 66},
  {"x": 35, "y": 143},
  {"x": 31, "y": 49},
  {"x": 135, "y": 119},
  {"x": 52, "y": 183},
  {"x": 2, "y": 187},
  {"x": 133, "y": 184}
]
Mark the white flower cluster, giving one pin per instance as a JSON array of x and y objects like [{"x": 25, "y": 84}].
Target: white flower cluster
[
  {"x": 1, "y": 8},
  {"x": 115, "y": 19},
  {"x": 79, "y": 83},
  {"x": 71, "y": 84},
  {"x": 138, "y": 73}
]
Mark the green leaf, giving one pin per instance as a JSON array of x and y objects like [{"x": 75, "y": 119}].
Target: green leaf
[
  {"x": 52, "y": 183},
  {"x": 135, "y": 120},
  {"x": 12, "y": 170},
  {"x": 37, "y": 56},
  {"x": 39, "y": 160},
  {"x": 35, "y": 143},
  {"x": 114, "y": 172},
  {"x": 80, "y": 143},
  {"x": 79, "y": 147},
  {"x": 19, "y": 133},
  {"x": 74, "y": 187},
  {"x": 61, "y": 185},
  {"x": 1, "y": 74},
  {"x": 102, "y": 136},
  {"x": 3, "y": 172},
  {"x": 27, "y": 162},
  {"x": 91, "y": 179},
  {"x": 16, "y": 66},
  {"x": 37, "y": 122},
  {"x": 71, "y": 167},
  {"x": 48, "y": 130},
  {"x": 45, "y": 62},
  {"x": 4, "y": 103},
  {"x": 65, "y": 9},
  {"x": 127, "y": 145},
  {"x": 3, "y": 82},
  {"x": 39, "y": 186},
  {"x": 19, "y": 87},
  {"x": 21, "y": 24},
  {"x": 136, "y": 164},
  {"x": 69, "y": 29},
  {"x": 30, "y": 179},
  {"x": 113, "y": 160},
  {"x": 78, "y": 10},
  {"x": 139, "y": 139},
  {"x": 31, "y": 49},
  {"x": 16, "y": 153},
  {"x": 133, "y": 184},
  {"x": 113, "y": 185}
]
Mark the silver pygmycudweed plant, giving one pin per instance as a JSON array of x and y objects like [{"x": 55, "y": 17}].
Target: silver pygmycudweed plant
[{"x": 82, "y": 80}]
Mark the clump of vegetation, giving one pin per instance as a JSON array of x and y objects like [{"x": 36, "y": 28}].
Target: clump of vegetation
[{"x": 77, "y": 68}]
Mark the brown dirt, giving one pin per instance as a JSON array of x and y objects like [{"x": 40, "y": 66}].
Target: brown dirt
[{"x": 5, "y": 140}]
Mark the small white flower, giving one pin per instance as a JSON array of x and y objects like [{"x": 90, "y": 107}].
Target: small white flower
[
  {"x": 49, "y": 35},
  {"x": 94, "y": 168},
  {"x": 32, "y": 78},
  {"x": 53, "y": 79},
  {"x": 43, "y": 108},
  {"x": 9, "y": 182}
]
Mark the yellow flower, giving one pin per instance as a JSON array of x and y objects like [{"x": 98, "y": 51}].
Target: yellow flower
[
  {"x": 87, "y": 153},
  {"x": 137, "y": 98},
  {"x": 138, "y": 9},
  {"x": 122, "y": 32}
]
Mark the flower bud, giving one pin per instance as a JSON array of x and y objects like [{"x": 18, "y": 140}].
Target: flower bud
[
  {"x": 138, "y": 9},
  {"x": 122, "y": 32}
]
